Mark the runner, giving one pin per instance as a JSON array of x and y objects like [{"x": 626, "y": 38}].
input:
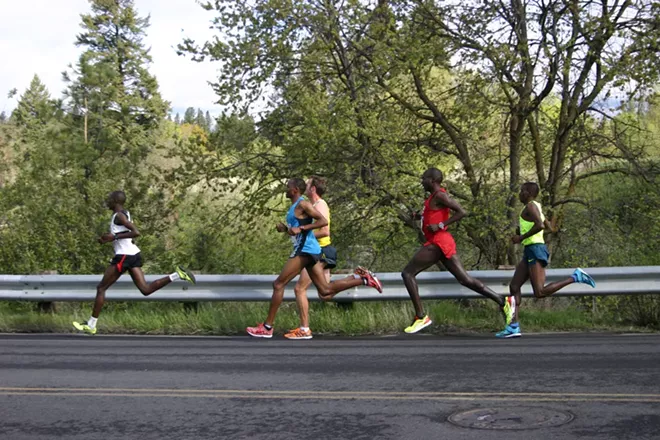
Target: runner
[
  {"x": 316, "y": 187},
  {"x": 306, "y": 253},
  {"x": 440, "y": 247},
  {"x": 127, "y": 259},
  {"x": 535, "y": 257}
]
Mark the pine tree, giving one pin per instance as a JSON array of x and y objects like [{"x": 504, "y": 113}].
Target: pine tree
[
  {"x": 177, "y": 119},
  {"x": 209, "y": 122},
  {"x": 200, "y": 120},
  {"x": 3, "y": 117},
  {"x": 113, "y": 94},
  {"x": 34, "y": 106},
  {"x": 115, "y": 109},
  {"x": 189, "y": 116}
]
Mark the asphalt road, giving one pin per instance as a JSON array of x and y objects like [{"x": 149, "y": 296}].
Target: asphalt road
[{"x": 105, "y": 387}]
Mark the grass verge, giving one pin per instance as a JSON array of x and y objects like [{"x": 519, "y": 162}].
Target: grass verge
[{"x": 230, "y": 318}]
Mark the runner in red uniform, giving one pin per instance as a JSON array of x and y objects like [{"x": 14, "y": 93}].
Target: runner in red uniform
[{"x": 440, "y": 247}]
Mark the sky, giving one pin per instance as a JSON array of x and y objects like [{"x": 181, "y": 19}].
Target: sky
[{"x": 37, "y": 37}]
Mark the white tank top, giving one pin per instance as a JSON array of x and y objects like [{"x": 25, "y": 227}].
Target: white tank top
[{"x": 123, "y": 246}]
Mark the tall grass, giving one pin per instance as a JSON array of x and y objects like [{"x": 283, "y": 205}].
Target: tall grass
[{"x": 230, "y": 318}]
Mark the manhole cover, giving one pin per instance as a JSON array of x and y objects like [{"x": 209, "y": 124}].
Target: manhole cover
[{"x": 510, "y": 418}]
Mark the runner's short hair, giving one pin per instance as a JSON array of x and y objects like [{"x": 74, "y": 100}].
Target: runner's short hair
[
  {"x": 119, "y": 197},
  {"x": 319, "y": 183},
  {"x": 299, "y": 183},
  {"x": 532, "y": 188},
  {"x": 435, "y": 174}
]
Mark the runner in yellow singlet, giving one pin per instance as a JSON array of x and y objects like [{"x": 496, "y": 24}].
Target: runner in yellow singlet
[{"x": 535, "y": 257}]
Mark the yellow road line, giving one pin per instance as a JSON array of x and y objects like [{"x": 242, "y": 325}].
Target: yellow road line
[
  {"x": 326, "y": 397},
  {"x": 384, "y": 393},
  {"x": 332, "y": 395}
]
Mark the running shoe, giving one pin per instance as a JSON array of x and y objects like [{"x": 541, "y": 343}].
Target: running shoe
[
  {"x": 510, "y": 331},
  {"x": 298, "y": 333},
  {"x": 260, "y": 331},
  {"x": 372, "y": 280},
  {"x": 580, "y": 276},
  {"x": 509, "y": 309},
  {"x": 186, "y": 275},
  {"x": 84, "y": 328},
  {"x": 418, "y": 324}
]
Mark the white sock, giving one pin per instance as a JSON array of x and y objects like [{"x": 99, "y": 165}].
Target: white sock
[
  {"x": 91, "y": 322},
  {"x": 174, "y": 277},
  {"x": 305, "y": 329}
]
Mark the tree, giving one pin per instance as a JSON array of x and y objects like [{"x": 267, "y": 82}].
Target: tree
[
  {"x": 582, "y": 50},
  {"x": 189, "y": 116},
  {"x": 34, "y": 106},
  {"x": 177, "y": 119},
  {"x": 209, "y": 121},
  {"x": 201, "y": 120},
  {"x": 472, "y": 76},
  {"x": 115, "y": 101},
  {"x": 3, "y": 117},
  {"x": 113, "y": 98}
]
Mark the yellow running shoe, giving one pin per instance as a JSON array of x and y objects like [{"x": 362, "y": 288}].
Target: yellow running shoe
[
  {"x": 84, "y": 328},
  {"x": 509, "y": 309},
  {"x": 419, "y": 324},
  {"x": 186, "y": 275}
]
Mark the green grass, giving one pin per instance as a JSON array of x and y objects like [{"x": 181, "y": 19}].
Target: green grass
[{"x": 230, "y": 318}]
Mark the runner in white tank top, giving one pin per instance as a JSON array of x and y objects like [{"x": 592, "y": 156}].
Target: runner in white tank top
[
  {"x": 122, "y": 246},
  {"x": 127, "y": 259}
]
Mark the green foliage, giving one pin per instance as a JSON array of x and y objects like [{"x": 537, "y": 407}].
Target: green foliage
[
  {"x": 375, "y": 89},
  {"x": 70, "y": 156},
  {"x": 210, "y": 240},
  {"x": 34, "y": 106}
]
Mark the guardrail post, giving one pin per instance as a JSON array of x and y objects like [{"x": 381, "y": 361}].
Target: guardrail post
[
  {"x": 191, "y": 306},
  {"x": 47, "y": 306},
  {"x": 346, "y": 305}
]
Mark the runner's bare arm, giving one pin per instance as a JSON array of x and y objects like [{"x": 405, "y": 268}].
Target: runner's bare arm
[
  {"x": 443, "y": 199},
  {"x": 323, "y": 209},
  {"x": 122, "y": 220},
  {"x": 548, "y": 226},
  {"x": 320, "y": 221}
]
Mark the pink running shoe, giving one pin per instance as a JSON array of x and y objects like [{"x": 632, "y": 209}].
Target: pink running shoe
[
  {"x": 260, "y": 331},
  {"x": 368, "y": 275}
]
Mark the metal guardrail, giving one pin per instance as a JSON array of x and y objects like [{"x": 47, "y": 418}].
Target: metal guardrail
[{"x": 432, "y": 285}]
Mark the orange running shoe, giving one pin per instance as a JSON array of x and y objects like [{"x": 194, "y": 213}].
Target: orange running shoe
[{"x": 298, "y": 333}]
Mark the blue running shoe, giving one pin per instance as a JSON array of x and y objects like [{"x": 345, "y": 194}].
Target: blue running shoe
[
  {"x": 510, "y": 331},
  {"x": 580, "y": 276}
]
